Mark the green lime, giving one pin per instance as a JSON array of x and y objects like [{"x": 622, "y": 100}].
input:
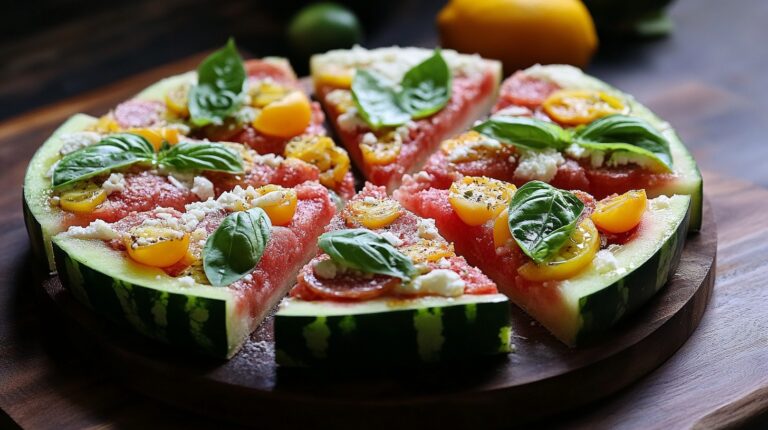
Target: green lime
[{"x": 323, "y": 26}]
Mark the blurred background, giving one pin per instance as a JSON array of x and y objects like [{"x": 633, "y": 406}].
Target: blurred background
[{"x": 700, "y": 64}]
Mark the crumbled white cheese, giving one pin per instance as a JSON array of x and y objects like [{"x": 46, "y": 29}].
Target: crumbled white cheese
[
  {"x": 390, "y": 237},
  {"x": 423, "y": 176},
  {"x": 202, "y": 188},
  {"x": 95, "y": 230},
  {"x": 369, "y": 139},
  {"x": 270, "y": 160},
  {"x": 339, "y": 98},
  {"x": 179, "y": 183},
  {"x": 440, "y": 282},
  {"x": 538, "y": 165},
  {"x": 325, "y": 269},
  {"x": 350, "y": 121},
  {"x": 513, "y": 110},
  {"x": 605, "y": 261},
  {"x": 72, "y": 142},
  {"x": 186, "y": 281},
  {"x": 272, "y": 198},
  {"x": 659, "y": 203},
  {"x": 427, "y": 229},
  {"x": 443, "y": 263},
  {"x": 575, "y": 150},
  {"x": 566, "y": 77},
  {"x": 115, "y": 183}
]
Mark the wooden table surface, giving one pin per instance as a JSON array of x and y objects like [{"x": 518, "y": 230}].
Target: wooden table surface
[{"x": 708, "y": 80}]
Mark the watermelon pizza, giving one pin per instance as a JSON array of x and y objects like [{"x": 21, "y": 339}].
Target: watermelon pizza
[
  {"x": 576, "y": 264},
  {"x": 556, "y": 124},
  {"x": 387, "y": 288},
  {"x": 391, "y": 107}
]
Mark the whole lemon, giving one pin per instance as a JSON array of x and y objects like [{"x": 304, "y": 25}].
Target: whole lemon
[{"x": 520, "y": 33}]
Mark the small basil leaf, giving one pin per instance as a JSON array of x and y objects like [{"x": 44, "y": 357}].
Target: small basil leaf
[
  {"x": 541, "y": 218},
  {"x": 426, "y": 88},
  {"x": 376, "y": 100},
  {"x": 223, "y": 69},
  {"x": 626, "y": 134},
  {"x": 112, "y": 152},
  {"x": 202, "y": 156},
  {"x": 210, "y": 106},
  {"x": 236, "y": 247},
  {"x": 367, "y": 252},
  {"x": 524, "y": 132},
  {"x": 220, "y": 79}
]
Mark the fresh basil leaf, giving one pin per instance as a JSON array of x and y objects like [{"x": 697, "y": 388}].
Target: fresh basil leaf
[
  {"x": 627, "y": 135},
  {"x": 541, "y": 218},
  {"x": 223, "y": 69},
  {"x": 202, "y": 156},
  {"x": 426, "y": 88},
  {"x": 208, "y": 105},
  {"x": 524, "y": 132},
  {"x": 112, "y": 152},
  {"x": 367, "y": 252},
  {"x": 236, "y": 247},
  {"x": 376, "y": 101},
  {"x": 220, "y": 79}
]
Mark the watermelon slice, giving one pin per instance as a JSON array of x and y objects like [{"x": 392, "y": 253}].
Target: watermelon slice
[
  {"x": 522, "y": 94},
  {"x": 444, "y": 310},
  {"x": 618, "y": 280},
  {"x": 176, "y": 305},
  {"x": 474, "y": 85}
]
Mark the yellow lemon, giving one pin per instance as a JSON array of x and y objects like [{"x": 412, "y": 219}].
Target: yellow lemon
[{"x": 520, "y": 33}]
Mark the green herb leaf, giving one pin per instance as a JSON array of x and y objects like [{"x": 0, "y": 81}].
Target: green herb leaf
[
  {"x": 220, "y": 79},
  {"x": 203, "y": 156},
  {"x": 376, "y": 101},
  {"x": 367, "y": 252},
  {"x": 223, "y": 69},
  {"x": 625, "y": 136},
  {"x": 524, "y": 132},
  {"x": 426, "y": 88},
  {"x": 541, "y": 218},
  {"x": 236, "y": 247},
  {"x": 112, "y": 152}
]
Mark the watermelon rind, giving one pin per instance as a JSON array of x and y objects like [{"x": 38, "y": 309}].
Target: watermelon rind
[{"x": 393, "y": 331}]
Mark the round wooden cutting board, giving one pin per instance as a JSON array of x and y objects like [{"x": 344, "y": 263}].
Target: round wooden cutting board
[{"x": 542, "y": 377}]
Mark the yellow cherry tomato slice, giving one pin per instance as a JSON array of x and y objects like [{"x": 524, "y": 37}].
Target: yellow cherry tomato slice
[
  {"x": 266, "y": 92},
  {"x": 575, "y": 255},
  {"x": 336, "y": 77},
  {"x": 428, "y": 250},
  {"x": 620, "y": 214},
  {"x": 287, "y": 117},
  {"x": 385, "y": 150},
  {"x": 373, "y": 213},
  {"x": 83, "y": 198},
  {"x": 576, "y": 107},
  {"x": 320, "y": 151},
  {"x": 106, "y": 124},
  {"x": 156, "y": 246},
  {"x": 477, "y": 199},
  {"x": 501, "y": 233},
  {"x": 279, "y": 203},
  {"x": 156, "y": 136},
  {"x": 472, "y": 146},
  {"x": 176, "y": 99}
]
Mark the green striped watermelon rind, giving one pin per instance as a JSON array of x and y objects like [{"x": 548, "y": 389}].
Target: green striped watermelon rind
[
  {"x": 198, "y": 317},
  {"x": 689, "y": 181},
  {"x": 425, "y": 330},
  {"x": 605, "y": 307}
]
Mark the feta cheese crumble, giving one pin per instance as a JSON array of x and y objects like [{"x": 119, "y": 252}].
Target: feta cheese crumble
[
  {"x": 76, "y": 141},
  {"x": 202, "y": 188},
  {"x": 538, "y": 165},
  {"x": 95, "y": 230},
  {"x": 115, "y": 183},
  {"x": 440, "y": 282}
]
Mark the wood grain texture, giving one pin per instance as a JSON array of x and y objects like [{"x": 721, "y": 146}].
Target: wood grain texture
[{"x": 541, "y": 378}]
